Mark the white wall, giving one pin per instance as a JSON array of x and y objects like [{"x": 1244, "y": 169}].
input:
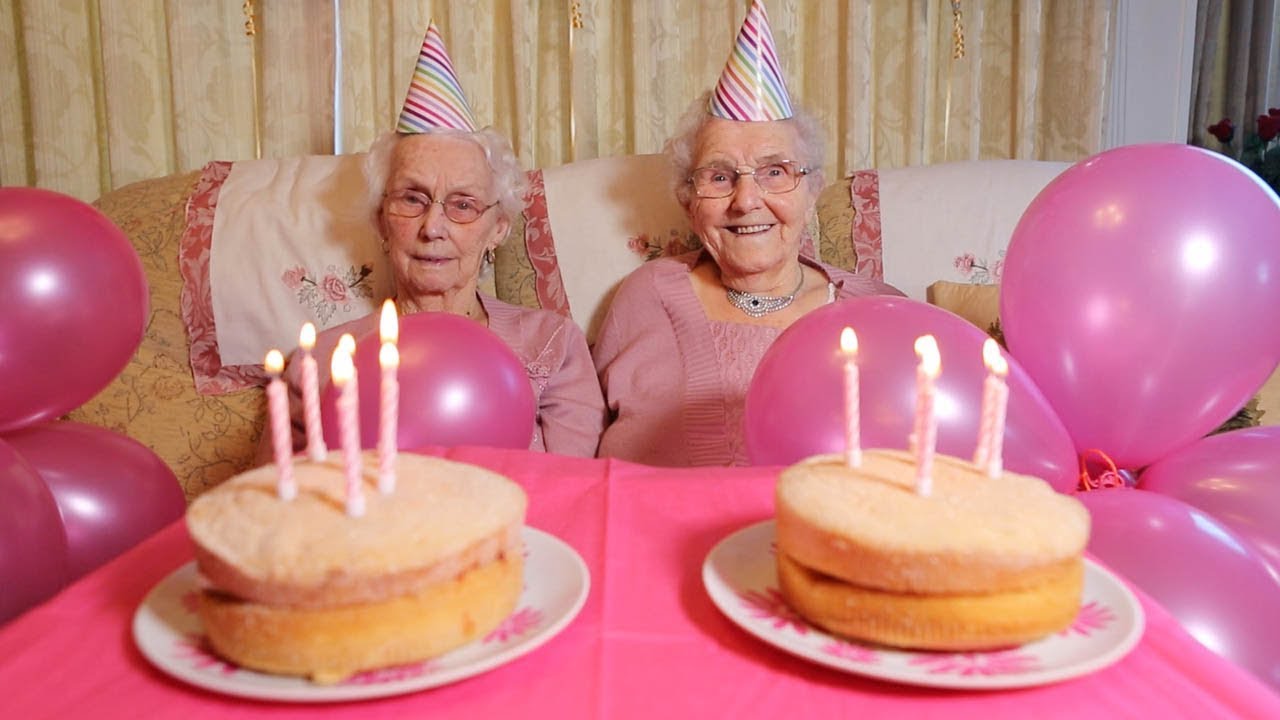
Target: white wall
[{"x": 1150, "y": 99}]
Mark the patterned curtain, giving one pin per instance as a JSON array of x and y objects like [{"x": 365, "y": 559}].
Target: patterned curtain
[{"x": 100, "y": 93}]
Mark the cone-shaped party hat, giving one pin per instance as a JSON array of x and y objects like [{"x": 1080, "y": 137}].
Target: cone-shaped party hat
[
  {"x": 435, "y": 98},
  {"x": 751, "y": 88}
]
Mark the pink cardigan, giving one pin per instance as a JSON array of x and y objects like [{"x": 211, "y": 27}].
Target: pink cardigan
[
  {"x": 675, "y": 381},
  {"x": 554, "y": 353}
]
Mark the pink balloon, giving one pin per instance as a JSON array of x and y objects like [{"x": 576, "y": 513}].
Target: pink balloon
[
  {"x": 795, "y": 403},
  {"x": 75, "y": 304},
  {"x": 112, "y": 491},
  {"x": 1213, "y": 581},
  {"x": 1233, "y": 476},
  {"x": 459, "y": 385},
  {"x": 33, "y": 545},
  {"x": 1141, "y": 290}
]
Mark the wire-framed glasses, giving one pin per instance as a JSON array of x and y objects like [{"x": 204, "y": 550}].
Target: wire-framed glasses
[
  {"x": 774, "y": 178},
  {"x": 462, "y": 209}
]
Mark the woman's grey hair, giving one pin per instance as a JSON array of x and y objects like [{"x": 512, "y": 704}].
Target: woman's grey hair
[
  {"x": 680, "y": 147},
  {"x": 509, "y": 179}
]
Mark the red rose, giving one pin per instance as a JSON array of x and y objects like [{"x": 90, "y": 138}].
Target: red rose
[
  {"x": 1268, "y": 127},
  {"x": 1224, "y": 130},
  {"x": 293, "y": 277},
  {"x": 334, "y": 288}
]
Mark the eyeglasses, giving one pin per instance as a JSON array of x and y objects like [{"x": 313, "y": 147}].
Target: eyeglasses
[
  {"x": 458, "y": 208},
  {"x": 775, "y": 178}
]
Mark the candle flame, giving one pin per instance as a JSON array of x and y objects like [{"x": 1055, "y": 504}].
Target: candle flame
[
  {"x": 930, "y": 360},
  {"x": 848, "y": 341},
  {"x": 307, "y": 337},
  {"x": 389, "y": 325},
  {"x": 341, "y": 367},
  {"x": 992, "y": 357},
  {"x": 274, "y": 361},
  {"x": 347, "y": 344},
  {"x": 389, "y": 356}
]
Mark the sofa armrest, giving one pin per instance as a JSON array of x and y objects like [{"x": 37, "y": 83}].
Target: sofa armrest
[{"x": 205, "y": 439}]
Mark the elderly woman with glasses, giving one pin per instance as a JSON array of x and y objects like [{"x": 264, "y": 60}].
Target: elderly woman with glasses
[
  {"x": 443, "y": 200},
  {"x": 683, "y": 335}
]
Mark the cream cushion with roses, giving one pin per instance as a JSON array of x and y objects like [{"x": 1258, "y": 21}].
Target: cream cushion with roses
[{"x": 284, "y": 242}]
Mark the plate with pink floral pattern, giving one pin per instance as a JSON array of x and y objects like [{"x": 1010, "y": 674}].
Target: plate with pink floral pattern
[
  {"x": 740, "y": 576},
  {"x": 170, "y": 635}
]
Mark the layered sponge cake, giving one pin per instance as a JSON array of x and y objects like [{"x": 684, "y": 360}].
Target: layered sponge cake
[
  {"x": 300, "y": 587},
  {"x": 978, "y": 563}
]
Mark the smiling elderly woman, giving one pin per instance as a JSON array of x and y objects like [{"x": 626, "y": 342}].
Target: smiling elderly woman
[{"x": 683, "y": 335}]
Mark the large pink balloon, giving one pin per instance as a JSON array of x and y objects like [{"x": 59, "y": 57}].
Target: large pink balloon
[
  {"x": 1212, "y": 580},
  {"x": 33, "y": 545},
  {"x": 1141, "y": 290},
  {"x": 795, "y": 405},
  {"x": 1233, "y": 476},
  {"x": 74, "y": 302},
  {"x": 112, "y": 491},
  {"x": 459, "y": 385}
]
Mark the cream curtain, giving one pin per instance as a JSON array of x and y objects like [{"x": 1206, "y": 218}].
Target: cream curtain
[{"x": 100, "y": 93}]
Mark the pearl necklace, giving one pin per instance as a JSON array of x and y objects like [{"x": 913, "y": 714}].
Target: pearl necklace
[{"x": 760, "y": 305}]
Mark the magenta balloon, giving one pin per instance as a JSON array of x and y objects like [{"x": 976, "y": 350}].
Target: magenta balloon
[
  {"x": 33, "y": 545},
  {"x": 1233, "y": 476},
  {"x": 112, "y": 491},
  {"x": 75, "y": 304},
  {"x": 459, "y": 385},
  {"x": 1213, "y": 581},
  {"x": 795, "y": 405},
  {"x": 1141, "y": 290}
]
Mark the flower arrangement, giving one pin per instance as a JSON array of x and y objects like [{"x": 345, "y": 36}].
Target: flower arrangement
[{"x": 1260, "y": 151}]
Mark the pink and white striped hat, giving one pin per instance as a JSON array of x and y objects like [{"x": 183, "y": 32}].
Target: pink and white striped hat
[
  {"x": 751, "y": 88},
  {"x": 435, "y": 99}
]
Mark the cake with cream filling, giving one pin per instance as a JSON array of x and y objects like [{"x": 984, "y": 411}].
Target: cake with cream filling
[
  {"x": 299, "y": 587},
  {"x": 977, "y": 563}
]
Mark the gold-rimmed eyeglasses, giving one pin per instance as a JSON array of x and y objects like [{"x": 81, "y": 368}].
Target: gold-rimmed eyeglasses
[
  {"x": 462, "y": 209},
  {"x": 774, "y": 178}
]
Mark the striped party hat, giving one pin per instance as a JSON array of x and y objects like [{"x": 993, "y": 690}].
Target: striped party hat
[
  {"x": 435, "y": 98},
  {"x": 751, "y": 88}
]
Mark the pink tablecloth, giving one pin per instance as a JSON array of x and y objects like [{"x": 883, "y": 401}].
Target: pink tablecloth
[{"x": 649, "y": 641}]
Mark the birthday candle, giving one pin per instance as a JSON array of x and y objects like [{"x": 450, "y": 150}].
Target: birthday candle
[
  {"x": 997, "y": 369},
  {"x": 344, "y": 378},
  {"x": 389, "y": 359},
  {"x": 389, "y": 405},
  {"x": 926, "y": 420},
  {"x": 281, "y": 433},
  {"x": 852, "y": 432},
  {"x": 316, "y": 449}
]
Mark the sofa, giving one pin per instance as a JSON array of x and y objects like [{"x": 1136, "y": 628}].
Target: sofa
[{"x": 238, "y": 255}]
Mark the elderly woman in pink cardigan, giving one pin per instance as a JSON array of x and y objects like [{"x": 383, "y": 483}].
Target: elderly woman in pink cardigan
[
  {"x": 443, "y": 195},
  {"x": 683, "y": 335}
]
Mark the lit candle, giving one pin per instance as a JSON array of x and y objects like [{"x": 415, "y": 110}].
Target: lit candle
[
  {"x": 344, "y": 378},
  {"x": 316, "y": 449},
  {"x": 389, "y": 405},
  {"x": 926, "y": 420},
  {"x": 281, "y": 433},
  {"x": 852, "y": 435},
  {"x": 995, "y": 402}
]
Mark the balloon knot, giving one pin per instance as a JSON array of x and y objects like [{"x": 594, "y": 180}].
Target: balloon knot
[{"x": 1106, "y": 477}]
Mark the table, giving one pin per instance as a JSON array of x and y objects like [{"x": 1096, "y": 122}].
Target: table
[{"x": 649, "y": 642}]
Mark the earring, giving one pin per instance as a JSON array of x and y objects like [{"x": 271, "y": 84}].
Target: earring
[{"x": 488, "y": 256}]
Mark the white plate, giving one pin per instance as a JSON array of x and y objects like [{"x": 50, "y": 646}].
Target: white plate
[
  {"x": 741, "y": 578},
  {"x": 170, "y": 635}
]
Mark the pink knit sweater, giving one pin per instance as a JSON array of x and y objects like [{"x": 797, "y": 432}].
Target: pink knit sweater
[{"x": 674, "y": 381}]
